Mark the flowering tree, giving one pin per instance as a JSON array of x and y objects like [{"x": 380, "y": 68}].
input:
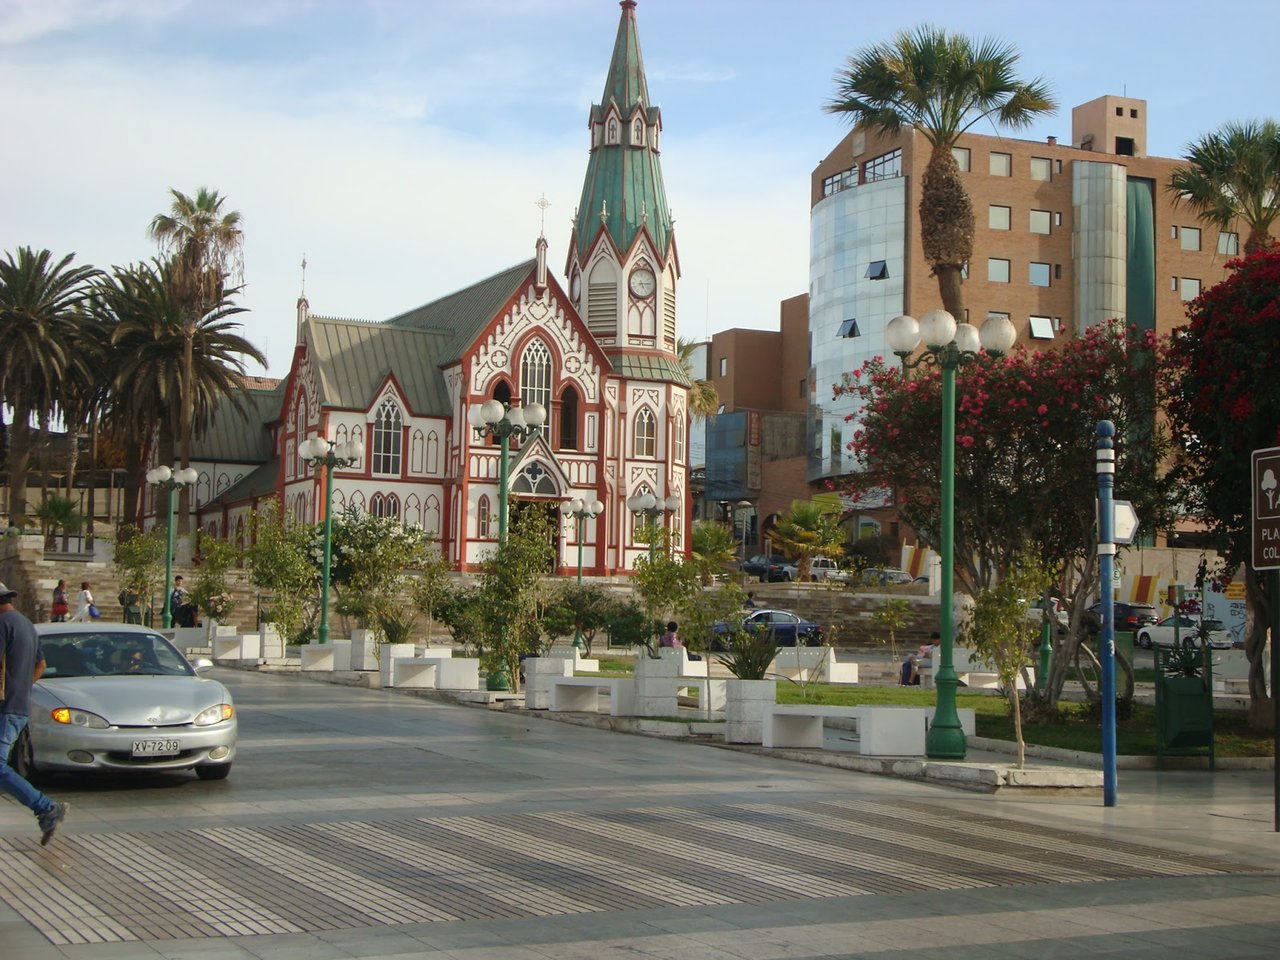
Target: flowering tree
[
  {"x": 1219, "y": 376},
  {"x": 1025, "y": 458},
  {"x": 370, "y": 562}
]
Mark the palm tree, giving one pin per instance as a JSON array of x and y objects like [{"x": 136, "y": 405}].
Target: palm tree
[
  {"x": 38, "y": 301},
  {"x": 940, "y": 84},
  {"x": 1234, "y": 174},
  {"x": 713, "y": 549},
  {"x": 205, "y": 245},
  {"x": 704, "y": 402},
  {"x": 806, "y": 531},
  {"x": 156, "y": 354}
]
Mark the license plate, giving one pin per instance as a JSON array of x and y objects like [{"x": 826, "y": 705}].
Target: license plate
[{"x": 156, "y": 748}]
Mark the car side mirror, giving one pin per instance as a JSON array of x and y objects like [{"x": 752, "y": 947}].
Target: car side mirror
[{"x": 201, "y": 664}]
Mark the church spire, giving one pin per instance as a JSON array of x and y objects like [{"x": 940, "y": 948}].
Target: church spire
[{"x": 624, "y": 175}]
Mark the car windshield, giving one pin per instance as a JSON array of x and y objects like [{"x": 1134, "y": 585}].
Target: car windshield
[{"x": 96, "y": 653}]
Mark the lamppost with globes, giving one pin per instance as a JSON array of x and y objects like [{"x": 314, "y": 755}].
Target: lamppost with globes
[
  {"x": 322, "y": 453},
  {"x": 948, "y": 345},
  {"x": 493, "y": 418},
  {"x": 172, "y": 480},
  {"x": 652, "y": 507},
  {"x": 581, "y": 511}
]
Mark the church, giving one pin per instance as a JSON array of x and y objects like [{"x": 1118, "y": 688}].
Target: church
[{"x": 598, "y": 354}]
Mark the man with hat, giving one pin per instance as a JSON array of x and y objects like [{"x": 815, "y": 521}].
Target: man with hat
[{"x": 21, "y": 665}]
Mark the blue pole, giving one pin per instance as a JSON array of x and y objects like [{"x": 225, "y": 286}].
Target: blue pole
[{"x": 1106, "y": 462}]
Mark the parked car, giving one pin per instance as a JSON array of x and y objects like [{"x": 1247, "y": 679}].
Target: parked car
[
  {"x": 1161, "y": 634},
  {"x": 825, "y": 568},
  {"x": 886, "y": 577},
  {"x": 786, "y": 628},
  {"x": 119, "y": 697},
  {"x": 1128, "y": 616},
  {"x": 770, "y": 569}
]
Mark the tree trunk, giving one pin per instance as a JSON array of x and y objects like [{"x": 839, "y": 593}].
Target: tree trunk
[
  {"x": 1257, "y": 622},
  {"x": 19, "y": 464},
  {"x": 133, "y": 464},
  {"x": 73, "y": 460},
  {"x": 42, "y": 445},
  {"x": 1258, "y": 239},
  {"x": 93, "y": 471},
  {"x": 946, "y": 227},
  {"x": 186, "y": 414}
]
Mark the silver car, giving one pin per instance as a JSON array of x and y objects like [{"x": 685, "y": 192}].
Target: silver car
[{"x": 120, "y": 697}]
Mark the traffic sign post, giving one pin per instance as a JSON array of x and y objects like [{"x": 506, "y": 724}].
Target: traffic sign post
[{"x": 1265, "y": 484}]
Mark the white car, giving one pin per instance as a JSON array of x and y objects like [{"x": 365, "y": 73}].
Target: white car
[
  {"x": 117, "y": 697},
  {"x": 1161, "y": 634},
  {"x": 824, "y": 568}
]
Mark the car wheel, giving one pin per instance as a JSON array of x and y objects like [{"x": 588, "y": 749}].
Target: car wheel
[
  {"x": 20, "y": 758},
  {"x": 1144, "y": 641},
  {"x": 786, "y": 577},
  {"x": 213, "y": 771},
  {"x": 764, "y": 578},
  {"x": 813, "y": 578}
]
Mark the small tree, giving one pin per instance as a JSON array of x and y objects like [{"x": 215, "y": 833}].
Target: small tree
[
  {"x": 580, "y": 609},
  {"x": 279, "y": 565},
  {"x": 892, "y": 616},
  {"x": 370, "y": 559},
  {"x": 211, "y": 592},
  {"x": 1004, "y": 636},
  {"x": 713, "y": 549},
  {"x": 702, "y": 610},
  {"x": 431, "y": 587},
  {"x": 462, "y": 611},
  {"x": 58, "y": 513},
  {"x": 139, "y": 561},
  {"x": 513, "y": 593},
  {"x": 665, "y": 584}
]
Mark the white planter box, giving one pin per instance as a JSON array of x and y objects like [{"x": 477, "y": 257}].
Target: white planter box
[
  {"x": 272, "y": 644},
  {"x": 744, "y": 709},
  {"x": 538, "y": 673},
  {"x": 386, "y": 660},
  {"x": 247, "y": 646},
  {"x": 364, "y": 649},
  {"x": 656, "y": 695},
  {"x": 331, "y": 656}
]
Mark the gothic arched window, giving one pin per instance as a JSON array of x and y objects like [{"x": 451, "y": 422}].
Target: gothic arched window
[
  {"x": 646, "y": 435},
  {"x": 569, "y": 419},
  {"x": 535, "y": 376},
  {"x": 388, "y": 430}
]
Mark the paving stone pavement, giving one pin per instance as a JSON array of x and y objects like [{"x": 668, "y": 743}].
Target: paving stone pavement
[{"x": 360, "y": 823}]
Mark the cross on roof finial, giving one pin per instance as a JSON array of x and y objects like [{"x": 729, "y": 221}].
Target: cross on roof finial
[
  {"x": 304, "y": 275},
  {"x": 542, "y": 203}
]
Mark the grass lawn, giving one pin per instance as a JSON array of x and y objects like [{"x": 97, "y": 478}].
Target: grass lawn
[{"x": 1076, "y": 731}]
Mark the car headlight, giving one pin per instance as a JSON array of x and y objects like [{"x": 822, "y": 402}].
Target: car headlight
[
  {"x": 78, "y": 718},
  {"x": 215, "y": 714}
]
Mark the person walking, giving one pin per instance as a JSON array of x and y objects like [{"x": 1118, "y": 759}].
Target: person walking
[
  {"x": 59, "y": 609},
  {"x": 21, "y": 665},
  {"x": 180, "y": 612},
  {"x": 85, "y": 609},
  {"x": 131, "y": 604}
]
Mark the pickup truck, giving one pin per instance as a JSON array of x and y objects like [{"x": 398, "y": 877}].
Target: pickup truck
[{"x": 825, "y": 568}]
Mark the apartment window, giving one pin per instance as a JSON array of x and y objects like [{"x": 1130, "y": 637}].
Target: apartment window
[
  {"x": 998, "y": 217},
  {"x": 1124, "y": 147},
  {"x": 884, "y": 167},
  {"x": 1041, "y": 328},
  {"x": 1001, "y": 164},
  {"x": 1173, "y": 283},
  {"x": 993, "y": 315},
  {"x": 1041, "y": 168},
  {"x": 1040, "y": 221},
  {"x": 877, "y": 270},
  {"x": 962, "y": 158},
  {"x": 840, "y": 181},
  {"x": 1133, "y": 114},
  {"x": 1057, "y": 271},
  {"x": 1038, "y": 274},
  {"x": 803, "y": 382},
  {"x": 997, "y": 270},
  {"x": 1173, "y": 233},
  {"x": 849, "y": 328},
  {"x": 1189, "y": 288},
  {"x": 646, "y": 436},
  {"x": 1229, "y": 244},
  {"x": 1119, "y": 111},
  {"x": 724, "y": 366},
  {"x": 387, "y": 431},
  {"x": 1190, "y": 238},
  {"x": 1057, "y": 219}
]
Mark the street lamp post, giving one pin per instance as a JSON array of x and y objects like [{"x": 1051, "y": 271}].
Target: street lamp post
[
  {"x": 493, "y": 418},
  {"x": 322, "y": 453},
  {"x": 948, "y": 346},
  {"x": 581, "y": 511},
  {"x": 652, "y": 507},
  {"x": 170, "y": 480}
]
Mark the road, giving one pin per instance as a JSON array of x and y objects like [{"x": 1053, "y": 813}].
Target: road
[{"x": 368, "y": 823}]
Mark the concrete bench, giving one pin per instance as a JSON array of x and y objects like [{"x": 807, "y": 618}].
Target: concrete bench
[
  {"x": 573, "y": 654},
  {"x": 968, "y": 720},
  {"x": 433, "y": 673},
  {"x": 247, "y": 646},
  {"x": 679, "y": 656},
  {"x": 885, "y": 731},
  {"x": 582, "y": 695},
  {"x": 334, "y": 655},
  {"x": 970, "y": 672},
  {"x": 812, "y": 663},
  {"x": 538, "y": 674},
  {"x": 799, "y": 724}
]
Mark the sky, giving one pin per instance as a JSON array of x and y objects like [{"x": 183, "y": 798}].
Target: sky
[{"x": 401, "y": 146}]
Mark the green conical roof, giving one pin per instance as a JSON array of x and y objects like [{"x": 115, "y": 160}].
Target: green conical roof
[{"x": 624, "y": 180}]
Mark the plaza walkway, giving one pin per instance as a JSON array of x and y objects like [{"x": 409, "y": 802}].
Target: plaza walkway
[{"x": 362, "y": 823}]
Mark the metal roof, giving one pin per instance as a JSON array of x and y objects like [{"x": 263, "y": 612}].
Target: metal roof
[
  {"x": 352, "y": 360},
  {"x": 240, "y": 436},
  {"x": 258, "y": 483},
  {"x": 650, "y": 366}
]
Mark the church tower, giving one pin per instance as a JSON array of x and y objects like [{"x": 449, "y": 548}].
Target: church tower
[
  {"x": 623, "y": 266},
  {"x": 622, "y": 270}
]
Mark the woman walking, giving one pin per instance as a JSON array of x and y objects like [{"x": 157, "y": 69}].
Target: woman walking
[
  {"x": 85, "y": 610},
  {"x": 59, "y": 610}
]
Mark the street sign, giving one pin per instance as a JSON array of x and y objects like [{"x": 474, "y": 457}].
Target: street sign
[
  {"x": 1266, "y": 508},
  {"x": 1124, "y": 521}
]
